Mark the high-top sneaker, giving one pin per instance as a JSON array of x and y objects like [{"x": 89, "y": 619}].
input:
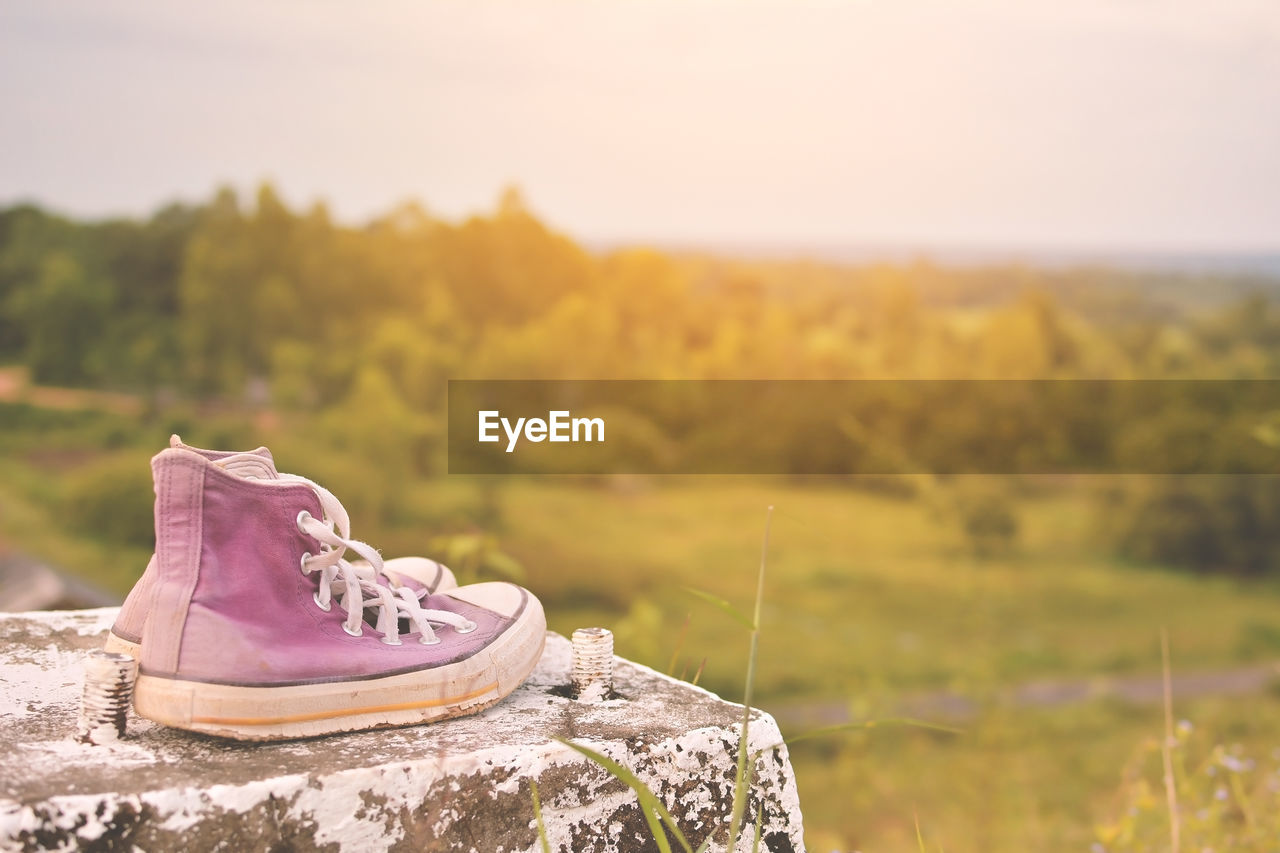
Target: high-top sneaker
[
  {"x": 421, "y": 574},
  {"x": 258, "y": 627}
]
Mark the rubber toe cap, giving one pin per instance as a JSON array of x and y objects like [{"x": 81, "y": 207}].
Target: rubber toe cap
[
  {"x": 505, "y": 599},
  {"x": 433, "y": 576}
]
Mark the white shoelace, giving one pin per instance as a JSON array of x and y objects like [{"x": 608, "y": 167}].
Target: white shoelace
[{"x": 353, "y": 583}]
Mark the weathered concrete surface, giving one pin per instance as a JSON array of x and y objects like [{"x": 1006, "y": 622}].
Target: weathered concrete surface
[{"x": 457, "y": 785}]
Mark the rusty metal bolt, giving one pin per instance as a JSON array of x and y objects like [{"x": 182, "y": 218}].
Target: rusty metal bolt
[
  {"x": 592, "y": 664},
  {"x": 108, "y": 686}
]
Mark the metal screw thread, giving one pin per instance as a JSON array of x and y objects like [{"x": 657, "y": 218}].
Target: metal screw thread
[
  {"x": 108, "y": 686},
  {"x": 592, "y": 663}
]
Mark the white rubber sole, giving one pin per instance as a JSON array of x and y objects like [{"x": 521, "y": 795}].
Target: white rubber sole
[{"x": 308, "y": 710}]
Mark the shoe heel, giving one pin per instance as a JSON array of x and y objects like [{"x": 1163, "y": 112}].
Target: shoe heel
[{"x": 121, "y": 646}]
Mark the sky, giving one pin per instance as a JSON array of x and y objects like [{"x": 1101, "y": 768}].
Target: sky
[{"x": 1113, "y": 125}]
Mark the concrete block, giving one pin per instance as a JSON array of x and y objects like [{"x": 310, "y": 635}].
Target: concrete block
[{"x": 460, "y": 785}]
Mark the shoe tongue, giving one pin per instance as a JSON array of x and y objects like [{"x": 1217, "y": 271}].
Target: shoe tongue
[{"x": 249, "y": 466}]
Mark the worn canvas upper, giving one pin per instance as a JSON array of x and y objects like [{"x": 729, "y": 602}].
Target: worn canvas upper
[
  {"x": 420, "y": 574},
  {"x": 133, "y": 613},
  {"x": 231, "y": 603}
]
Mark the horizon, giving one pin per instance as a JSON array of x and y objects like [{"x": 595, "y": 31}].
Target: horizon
[{"x": 1261, "y": 262}]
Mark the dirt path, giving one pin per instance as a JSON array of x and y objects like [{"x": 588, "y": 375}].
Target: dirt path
[
  {"x": 15, "y": 387},
  {"x": 1136, "y": 689}
]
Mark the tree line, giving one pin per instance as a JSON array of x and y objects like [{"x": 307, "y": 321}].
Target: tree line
[{"x": 252, "y": 305}]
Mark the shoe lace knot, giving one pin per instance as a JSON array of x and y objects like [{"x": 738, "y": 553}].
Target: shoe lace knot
[{"x": 361, "y": 587}]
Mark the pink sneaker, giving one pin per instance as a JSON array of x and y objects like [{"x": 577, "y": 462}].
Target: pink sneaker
[
  {"x": 423, "y": 575},
  {"x": 244, "y": 640}
]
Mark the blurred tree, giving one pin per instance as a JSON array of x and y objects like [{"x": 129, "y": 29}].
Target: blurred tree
[
  {"x": 1220, "y": 524},
  {"x": 62, "y": 313},
  {"x": 509, "y": 269},
  {"x": 112, "y": 500},
  {"x": 1029, "y": 339}
]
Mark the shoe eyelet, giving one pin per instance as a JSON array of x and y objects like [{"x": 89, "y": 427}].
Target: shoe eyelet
[
  {"x": 467, "y": 628},
  {"x": 302, "y": 562},
  {"x": 359, "y": 632},
  {"x": 302, "y": 516},
  {"x": 387, "y": 641},
  {"x": 315, "y": 596},
  {"x": 432, "y": 642}
]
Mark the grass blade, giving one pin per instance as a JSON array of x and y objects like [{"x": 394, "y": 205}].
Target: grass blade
[
  {"x": 743, "y": 781},
  {"x": 698, "y": 675},
  {"x": 675, "y": 655},
  {"x": 846, "y": 727},
  {"x": 655, "y": 813},
  {"x": 723, "y": 606},
  {"x": 1170, "y": 786},
  {"x": 537, "y": 816},
  {"x": 869, "y": 724}
]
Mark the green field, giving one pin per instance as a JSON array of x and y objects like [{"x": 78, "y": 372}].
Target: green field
[
  {"x": 871, "y": 593},
  {"x": 869, "y": 598}
]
